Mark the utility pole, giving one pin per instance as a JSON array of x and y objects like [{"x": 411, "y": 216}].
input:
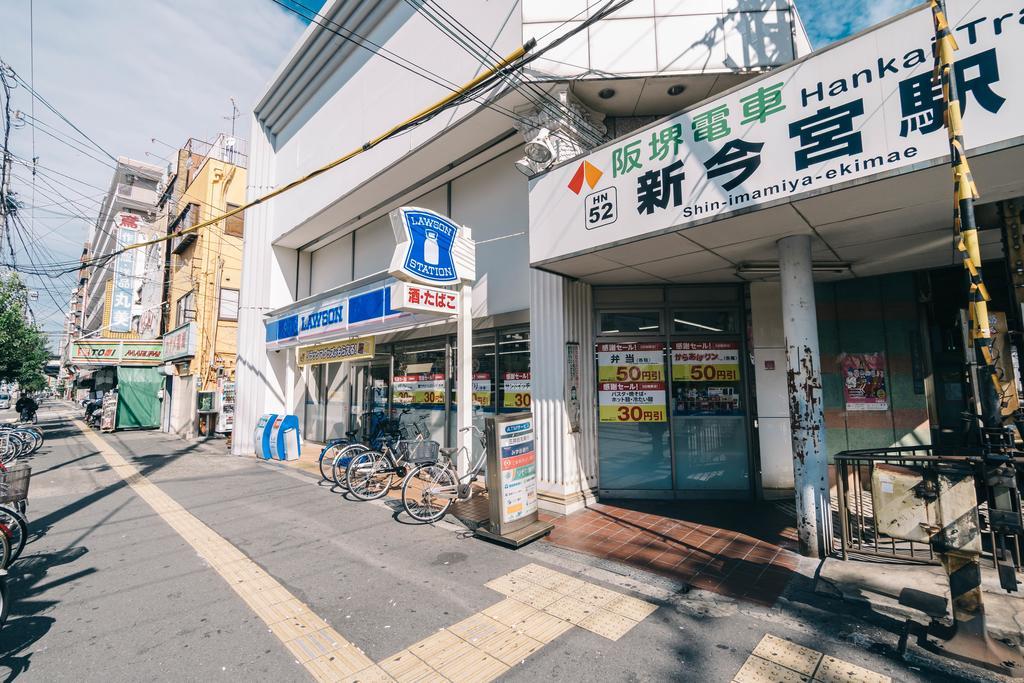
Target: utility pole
[{"x": 235, "y": 113}]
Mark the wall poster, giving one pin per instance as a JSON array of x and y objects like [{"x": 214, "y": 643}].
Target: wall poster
[
  {"x": 424, "y": 389},
  {"x": 864, "y": 381},
  {"x": 706, "y": 378},
  {"x": 631, "y": 382},
  {"x": 515, "y": 387}
]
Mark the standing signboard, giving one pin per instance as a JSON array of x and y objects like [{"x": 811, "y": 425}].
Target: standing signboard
[
  {"x": 512, "y": 481},
  {"x": 108, "y": 416}
]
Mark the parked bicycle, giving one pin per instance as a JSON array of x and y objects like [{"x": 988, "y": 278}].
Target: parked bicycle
[
  {"x": 430, "y": 488},
  {"x": 337, "y": 454},
  {"x": 14, "y": 483},
  {"x": 18, "y": 441},
  {"x": 370, "y": 474}
]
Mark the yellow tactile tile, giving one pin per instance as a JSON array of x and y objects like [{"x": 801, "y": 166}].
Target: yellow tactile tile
[
  {"x": 560, "y": 583},
  {"x": 832, "y": 670},
  {"x": 757, "y": 670},
  {"x": 478, "y": 628},
  {"x": 338, "y": 664},
  {"x": 534, "y": 595},
  {"x": 473, "y": 667},
  {"x": 543, "y": 627},
  {"x": 405, "y": 667},
  {"x": 374, "y": 674},
  {"x": 298, "y": 625},
  {"x": 322, "y": 642},
  {"x": 594, "y": 595},
  {"x": 511, "y": 647},
  {"x": 441, "y": 648},
  {"x": 532, "y": 572},
  {"x": 630, "y": 607},
  {"x": 510, "y": 612},
  {"x": 786, "y": 653},
  {"x": 608, "y": 624},
  {"x": 570, "y": 609},
  {"x": 506, "y": 585}
]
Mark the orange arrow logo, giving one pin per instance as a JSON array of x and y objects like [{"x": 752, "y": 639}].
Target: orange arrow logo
[{"x": 586, "y": 171}]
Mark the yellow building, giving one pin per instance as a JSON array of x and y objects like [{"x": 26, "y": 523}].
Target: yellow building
[{"x": 203, "y": 278}]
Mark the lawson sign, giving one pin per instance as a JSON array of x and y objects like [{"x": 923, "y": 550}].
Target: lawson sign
[
  {"x": 431, "y": 249},
  {"x": 366, "y": 311}
]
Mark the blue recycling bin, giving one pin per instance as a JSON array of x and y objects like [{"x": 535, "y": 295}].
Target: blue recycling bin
[
  {"x": 261, "y": 435},
  {"x": 285, "y": 442}
]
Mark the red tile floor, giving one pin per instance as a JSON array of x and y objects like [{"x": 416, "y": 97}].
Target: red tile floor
[{"x": 742, "y": 550}]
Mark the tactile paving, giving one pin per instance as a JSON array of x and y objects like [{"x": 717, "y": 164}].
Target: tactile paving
[
  {"x": 511, "y": 647},
  {"x": 570, "y": 609},
  {"x": 510, "y": 612},
  {"x": 757, "y": 670},
  {"x": 405, "y": 667},
  {"x": 630, "y": 607},
  {"x": 543, "y": 627},
  {"x": 608, "y": 624},
  {"x": 478, "y": 628},
  {"x": 832, "y": 670},
  {"x": 788, "y": 654}
]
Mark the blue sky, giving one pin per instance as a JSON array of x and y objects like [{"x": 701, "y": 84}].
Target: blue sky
[{"x": 827, "y": 21}]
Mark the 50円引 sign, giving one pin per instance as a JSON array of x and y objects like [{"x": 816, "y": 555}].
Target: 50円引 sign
[
  {"x": 631, "y": 382},
  {"x": 705, "y": 361}
]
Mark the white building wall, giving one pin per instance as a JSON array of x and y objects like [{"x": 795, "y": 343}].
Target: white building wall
[
  {"x": 769, "y": 348},
  {"x": 492, "y": 201}
]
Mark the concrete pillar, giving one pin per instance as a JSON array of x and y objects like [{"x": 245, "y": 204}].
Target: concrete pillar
[{"x": 806, "y": 403}]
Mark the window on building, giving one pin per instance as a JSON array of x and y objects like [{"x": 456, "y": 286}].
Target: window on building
[
  {"x": 185, "y": 310},
  {"x": 235, "y": 225},
  {"x": 631, "y": 322},
  {"x": 228, "y": 304}
]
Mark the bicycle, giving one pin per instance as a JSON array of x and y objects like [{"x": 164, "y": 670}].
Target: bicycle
[
  {"x": 429, "y": 489},
  {"x": 5, "y": 603},
  {"x": 337, "y": 454},
  {"x": 369, "y": 475},
  {"x": 13, "y": 504}
]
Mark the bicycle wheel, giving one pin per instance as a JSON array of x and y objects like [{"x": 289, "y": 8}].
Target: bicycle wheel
[
  {"x": 426, "y": 492},
  {"x": 369, "y": 475},
  {"x": 5, "y": 557},
  {"x": 339, "y": 466},
  {"x": 14, "y": 529},
  {"x": 327, "y": 456}
]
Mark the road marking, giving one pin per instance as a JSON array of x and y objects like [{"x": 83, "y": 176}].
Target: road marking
[
  {"x": 540, "y": 605},
  {"x": 777, "y": 660}
]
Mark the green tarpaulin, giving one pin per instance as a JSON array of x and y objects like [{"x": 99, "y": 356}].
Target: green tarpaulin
[{"x": 138, "y": 405}]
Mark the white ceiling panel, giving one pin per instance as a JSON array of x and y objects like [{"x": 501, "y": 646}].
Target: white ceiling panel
[
  {"x": 685, "y": 265},
  {"x": 650, "y": 249},
  {"x": 766, "y": 249},
  {"x": 579, "y": 266},
  {"x": 624, "y": 276},
  {"x": 775, "y": 222},
  {"x": 883, "y": 225}
]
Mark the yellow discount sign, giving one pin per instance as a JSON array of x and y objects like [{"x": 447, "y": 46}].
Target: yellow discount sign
[
  {"x": 631, "y": 382},
  {"x": 515, "y": 389},
  {"x": 705, "y": 361}
]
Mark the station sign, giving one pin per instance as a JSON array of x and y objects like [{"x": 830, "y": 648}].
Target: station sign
[{"x": 431, "y": 249}]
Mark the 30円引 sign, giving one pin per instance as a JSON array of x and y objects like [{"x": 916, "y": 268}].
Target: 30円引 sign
[
  {"x": 424, "y": 389},
  {"x": 631, "y": 382},
  {"x": 712, "y": 361},
  {"x": 332, "y": 352},
  {"x": 515, "y": 389}
]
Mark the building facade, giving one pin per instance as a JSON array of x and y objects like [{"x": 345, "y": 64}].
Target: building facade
[
  {"x": 316, "y": 258},
  {"x": 202, "y": 286}
]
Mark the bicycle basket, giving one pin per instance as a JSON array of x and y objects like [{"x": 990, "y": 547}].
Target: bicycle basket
[
  {"x": 14, "y": 483},
  {"x": 417, "y": 450}
]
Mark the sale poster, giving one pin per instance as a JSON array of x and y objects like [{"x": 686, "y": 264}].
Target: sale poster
[
  {"x": 631, "y": 382},
  {"x": 705, "y": 376},
  {"x": 864, "y": 381},
  {"x": 515, "y": 389},
  {"x": 426, "y": 389}
]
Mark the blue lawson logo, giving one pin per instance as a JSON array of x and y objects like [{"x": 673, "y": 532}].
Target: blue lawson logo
[{"x": 429, "y": 256}]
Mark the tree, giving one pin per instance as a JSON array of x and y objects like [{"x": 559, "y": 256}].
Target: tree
[{"x": 23, "y": 351}]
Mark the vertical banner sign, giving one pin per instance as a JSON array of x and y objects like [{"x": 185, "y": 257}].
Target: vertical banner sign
[
  {"x": 108, "y": 414},
  {"x": 705, "y": 377},
  {"x": 572, "y": 384},
  {"x": 515, "y": 388},
  {"x": 631, "y": 382},
  {"x": 864, "y": 381},
  {"x": 123, "y": 293},
  {"x": 518, "y": 469}
]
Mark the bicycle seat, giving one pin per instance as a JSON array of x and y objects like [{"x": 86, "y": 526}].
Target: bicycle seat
[
  {"x": 448, "y": 451},
  {"x": 352, "y": 432}
]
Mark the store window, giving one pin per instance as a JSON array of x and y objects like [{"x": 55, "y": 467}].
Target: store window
[
  {"x": 514, "y": 389},
  {"x": 419, "y": 384},
  {"x": 484, "y": 366},
  {"x": 704, "y": 322},
  {"x": 630, "y": 322},
  {"x": 313, "y": 417}
]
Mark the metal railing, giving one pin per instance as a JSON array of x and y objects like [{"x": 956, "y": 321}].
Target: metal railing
[{"x": 858, "y": 526}]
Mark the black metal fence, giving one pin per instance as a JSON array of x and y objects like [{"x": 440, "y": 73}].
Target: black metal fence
[{"x": 857, "y": 524}]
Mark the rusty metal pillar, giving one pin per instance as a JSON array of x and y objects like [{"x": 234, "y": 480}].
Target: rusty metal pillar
[{"x": 806, "y": 404}]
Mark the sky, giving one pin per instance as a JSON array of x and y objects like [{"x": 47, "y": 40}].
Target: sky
[{"x": 128, "y": 71}]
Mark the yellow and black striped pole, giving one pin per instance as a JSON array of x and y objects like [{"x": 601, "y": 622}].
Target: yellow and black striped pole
[
  {"x": 970, "y": 640},
  {"x": 964, "y": 194}
]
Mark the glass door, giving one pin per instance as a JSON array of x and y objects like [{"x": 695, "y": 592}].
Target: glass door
[
  {"x": 709, "y": 403},
  {"x": 313, "y": 408}
]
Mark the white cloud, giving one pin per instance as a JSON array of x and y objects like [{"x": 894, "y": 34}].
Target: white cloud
[
  {"x": 126, "y": 71},
  {"x": 827, "y": 21}
]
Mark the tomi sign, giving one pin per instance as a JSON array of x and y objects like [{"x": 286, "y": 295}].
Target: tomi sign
[{"x": 866, "y": 107}]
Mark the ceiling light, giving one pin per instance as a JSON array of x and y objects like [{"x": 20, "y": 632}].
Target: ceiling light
[
  {"x": 692, "y": 324},
  {"x": 540, "y": 150},
  {"x": 606, "y": 93},
  {"x": 648, "y": 327},
  {"x": 772, "y": 267},
  {"x": 676, "y": 89}
]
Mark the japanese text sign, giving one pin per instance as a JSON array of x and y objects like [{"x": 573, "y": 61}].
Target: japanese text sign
[{"x": 631, "y": 382}]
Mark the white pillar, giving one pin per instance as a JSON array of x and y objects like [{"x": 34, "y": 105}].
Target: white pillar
[
  {"x": 464, "y": 378},
  {"x": 806, "y": 402}
]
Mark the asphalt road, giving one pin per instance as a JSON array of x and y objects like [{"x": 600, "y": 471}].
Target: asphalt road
[{"x": 107, "y": 590}]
